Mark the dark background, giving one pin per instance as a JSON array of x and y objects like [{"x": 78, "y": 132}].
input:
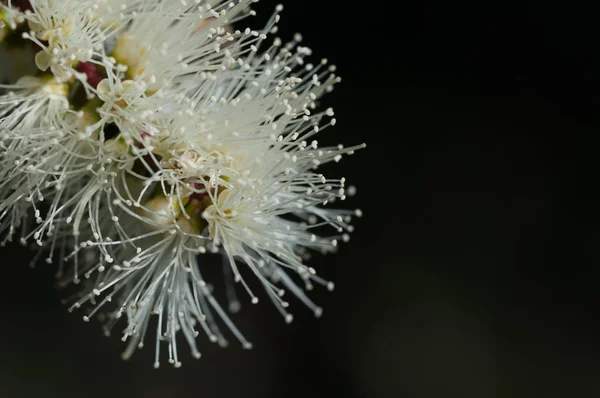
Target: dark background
[{"x": 472, "y": 273}]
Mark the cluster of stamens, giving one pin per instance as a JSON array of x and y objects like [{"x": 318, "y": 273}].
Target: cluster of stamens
[{"x": 152, "y": 133}]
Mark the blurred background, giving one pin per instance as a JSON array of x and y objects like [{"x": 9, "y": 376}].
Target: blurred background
[{"x": 473, "y": 271}]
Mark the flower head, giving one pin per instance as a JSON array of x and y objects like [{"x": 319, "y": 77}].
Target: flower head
[{"x": 156, "y": 137}]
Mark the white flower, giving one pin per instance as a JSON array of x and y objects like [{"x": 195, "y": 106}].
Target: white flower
[
  {"x": 45, "y": 157},
  {"x": 66, "y": 34},
  {"x": 161, "y": 138}
]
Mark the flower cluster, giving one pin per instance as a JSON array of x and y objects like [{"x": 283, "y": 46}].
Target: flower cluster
[{"x": 140, "y": 138}]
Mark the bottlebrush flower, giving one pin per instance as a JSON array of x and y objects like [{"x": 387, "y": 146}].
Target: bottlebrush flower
[{"x": 154, "y": 137}]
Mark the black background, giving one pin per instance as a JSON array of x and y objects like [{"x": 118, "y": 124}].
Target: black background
[{"x": 472, "y": 273}]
